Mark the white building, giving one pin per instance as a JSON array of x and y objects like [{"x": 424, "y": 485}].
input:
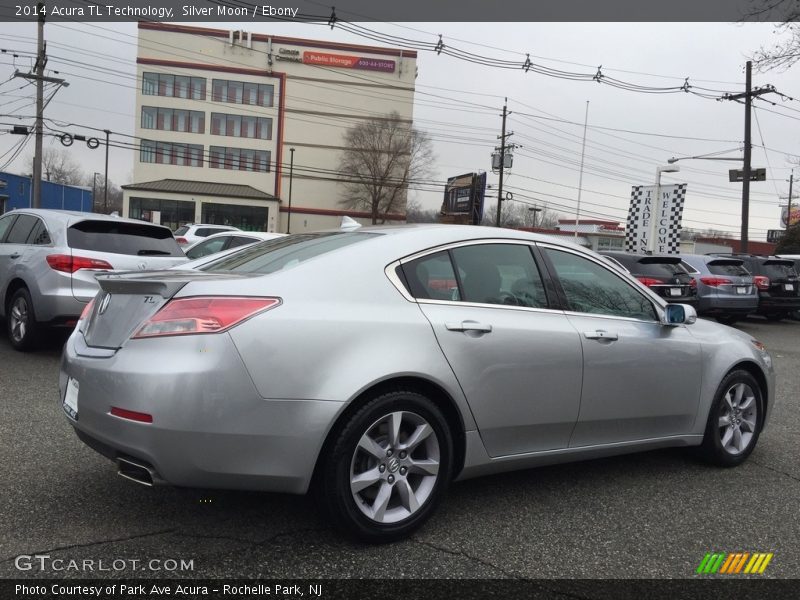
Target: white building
[{"x": 218, "y": 113}]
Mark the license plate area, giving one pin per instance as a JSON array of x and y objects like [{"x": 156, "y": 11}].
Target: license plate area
[
  {"x": 70, "y": 404},
  {"x": 741, "y": 290},
  {"x": 674, "y": 291},
  {"x": 789, "y": 287}
]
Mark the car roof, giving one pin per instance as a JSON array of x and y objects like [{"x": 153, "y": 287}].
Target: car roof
[{"x": 256, "y": 235}]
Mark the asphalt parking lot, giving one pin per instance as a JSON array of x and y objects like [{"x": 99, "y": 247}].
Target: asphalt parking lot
[{"x": 652, "y": 515}]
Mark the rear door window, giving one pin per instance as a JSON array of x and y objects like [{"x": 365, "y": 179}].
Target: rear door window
[
  {"x": 21, "y": 229},
  {"x": 123, "y": 238}
]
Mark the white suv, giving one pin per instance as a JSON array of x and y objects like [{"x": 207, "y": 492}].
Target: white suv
[{"x": 186, "y": 235}]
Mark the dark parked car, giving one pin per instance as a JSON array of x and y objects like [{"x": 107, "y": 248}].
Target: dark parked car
[
  {"x": 663, "y": 274},
  {"x": 725, "y": 288},
  {"x": 777, "y": 282}
]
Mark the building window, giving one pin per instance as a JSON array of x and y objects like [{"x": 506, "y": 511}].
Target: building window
[
  {"x": 238, "y": 159},
  {"x": 169, "y": 119},
  {"x": 246, "y": 218},
  {"x": 242, "y": 92},
  {"x": 173, "y": 212},
  {"x": 173, "y": 86},
  {"x": 167, "y": 153},
  {"x": 241, "y": 126}
]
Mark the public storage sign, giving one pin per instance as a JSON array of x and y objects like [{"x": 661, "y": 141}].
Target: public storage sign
[{"x": 348, "y": 62}]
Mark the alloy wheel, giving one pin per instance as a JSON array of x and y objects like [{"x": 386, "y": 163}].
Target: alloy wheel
[
  {"x": 394, "y": 467},
  {"x": 738, "y": 418},
  {"x": 19, "y": 319}
]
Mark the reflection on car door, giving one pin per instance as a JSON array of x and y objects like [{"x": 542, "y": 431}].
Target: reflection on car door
[
  {"x": 518, "y": 362},
  {"x": 641, "y": 379}
]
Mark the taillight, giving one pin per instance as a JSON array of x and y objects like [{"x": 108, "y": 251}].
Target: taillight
[
  {"x": 761, "y": 282},
  {"x": 648, "y": 281},
  {"x": 715, "y": 281},
  {"x": 693, "y": 283},
  {"x": 87, "y": 309},
  {"x": 69, "y": 264},
  {"x": 203, "y": 314},
  {"x": 181, "y": 240}
]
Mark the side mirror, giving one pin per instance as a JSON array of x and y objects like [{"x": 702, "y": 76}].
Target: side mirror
[{"x": 679, "y": 314}]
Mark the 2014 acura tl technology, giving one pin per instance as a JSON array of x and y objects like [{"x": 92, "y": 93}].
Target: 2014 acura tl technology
[{"x": 376, "y": 366}]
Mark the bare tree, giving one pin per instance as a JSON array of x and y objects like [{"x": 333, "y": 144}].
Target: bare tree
[
  {"x": 383, "y": 157},
  {"x": 59, "y": 167},
  {"x": 416, "y": 214},
  {"x": 517, "y": 214},
  {"x": 786, "y": 51}
]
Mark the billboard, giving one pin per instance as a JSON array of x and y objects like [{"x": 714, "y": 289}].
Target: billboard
[
  {"x": 464, "y": 195},
  {"x": 654, "y": 224},
  {"x": 795, "y": 215}
]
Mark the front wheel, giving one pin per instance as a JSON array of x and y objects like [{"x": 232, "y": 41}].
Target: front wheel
[
  {"x": 734, "y": 421},
  {"x": 387, "y": 467}
]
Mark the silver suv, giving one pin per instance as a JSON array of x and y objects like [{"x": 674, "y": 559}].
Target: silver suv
[
  {"x": 725, "y": 287},
  {"x": 49, "y": 258},
  {"x": 189, "y": 234}
]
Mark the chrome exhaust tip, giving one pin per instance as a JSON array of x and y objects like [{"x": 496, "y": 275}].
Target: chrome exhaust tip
[{"x": 137, "y": 472}]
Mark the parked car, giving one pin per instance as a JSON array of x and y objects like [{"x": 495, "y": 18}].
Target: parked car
[
  {"x": 186, "y": 235},
  {"x": 663, "y": 274},
  {"x": 725, "y": 288},
  {"x": 226, "y": 240},
  {"x": 49, "y": 259},
  {"x": 796, "y": 259},
  {"x": 375, "y": 366},
  {"x": 777, "y": 282}
]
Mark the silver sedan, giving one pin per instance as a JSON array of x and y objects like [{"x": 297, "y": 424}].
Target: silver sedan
[{"x": 376, "y": 366}]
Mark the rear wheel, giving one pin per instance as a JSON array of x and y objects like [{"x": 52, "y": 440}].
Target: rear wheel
[
  {"x": 23, "y": 330},
  {"x": 734, "y": 421},
  {"x": 387, "y": 468}
]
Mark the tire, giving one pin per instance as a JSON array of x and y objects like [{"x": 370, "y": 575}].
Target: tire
[
  {"x": 775, "y": 316},
  {"x": 23, "y": 330},
  {"x": 727, "y": 319},
  {"x": 734, "y": 421},
  {"x": 378, "y": 489}
]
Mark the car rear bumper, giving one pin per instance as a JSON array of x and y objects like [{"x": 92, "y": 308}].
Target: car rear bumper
[
  {"x": 772, "y": 304},
  {"x": 729, "y": 306},
  {"x": 210, "y": 428}
]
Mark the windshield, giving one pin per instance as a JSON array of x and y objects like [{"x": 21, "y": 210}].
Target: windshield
[{"x": 285, "y": 252}]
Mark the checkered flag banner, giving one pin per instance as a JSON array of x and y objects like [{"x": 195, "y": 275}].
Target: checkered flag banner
[{"x": 654, "y": 224}]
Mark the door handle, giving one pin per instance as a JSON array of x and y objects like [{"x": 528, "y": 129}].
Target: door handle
[
  {"x": 600, "y": 334},
  {"x": 469, "y": 326},
  {"x": 15, "y": 255}
]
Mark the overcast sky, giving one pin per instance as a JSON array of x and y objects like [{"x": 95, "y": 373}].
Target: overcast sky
[{"x": 464, "y": 100}]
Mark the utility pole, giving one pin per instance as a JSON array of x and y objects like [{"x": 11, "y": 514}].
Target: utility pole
[
  {"x": 105, "y": 178},
  {"x": 41, "y": 59},
  {"x": 291, "y": 176},
  {"x": 504, "y": 147},
  {"x": 748, "y": 96},
  {"x": 789, "y": 202}
]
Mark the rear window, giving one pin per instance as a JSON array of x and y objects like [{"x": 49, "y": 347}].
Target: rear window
[
  {"x": 654, "y": 269},
  {"x": 123, "y": 238},
  {"x": 779, "y": 270},
  {"x": 285, "y": 252},
  {"x": 181, "y": 230},
  {"x": 728, "y": 267}
]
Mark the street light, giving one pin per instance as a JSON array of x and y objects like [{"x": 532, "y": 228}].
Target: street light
[{"x": 291, "y": 176}]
